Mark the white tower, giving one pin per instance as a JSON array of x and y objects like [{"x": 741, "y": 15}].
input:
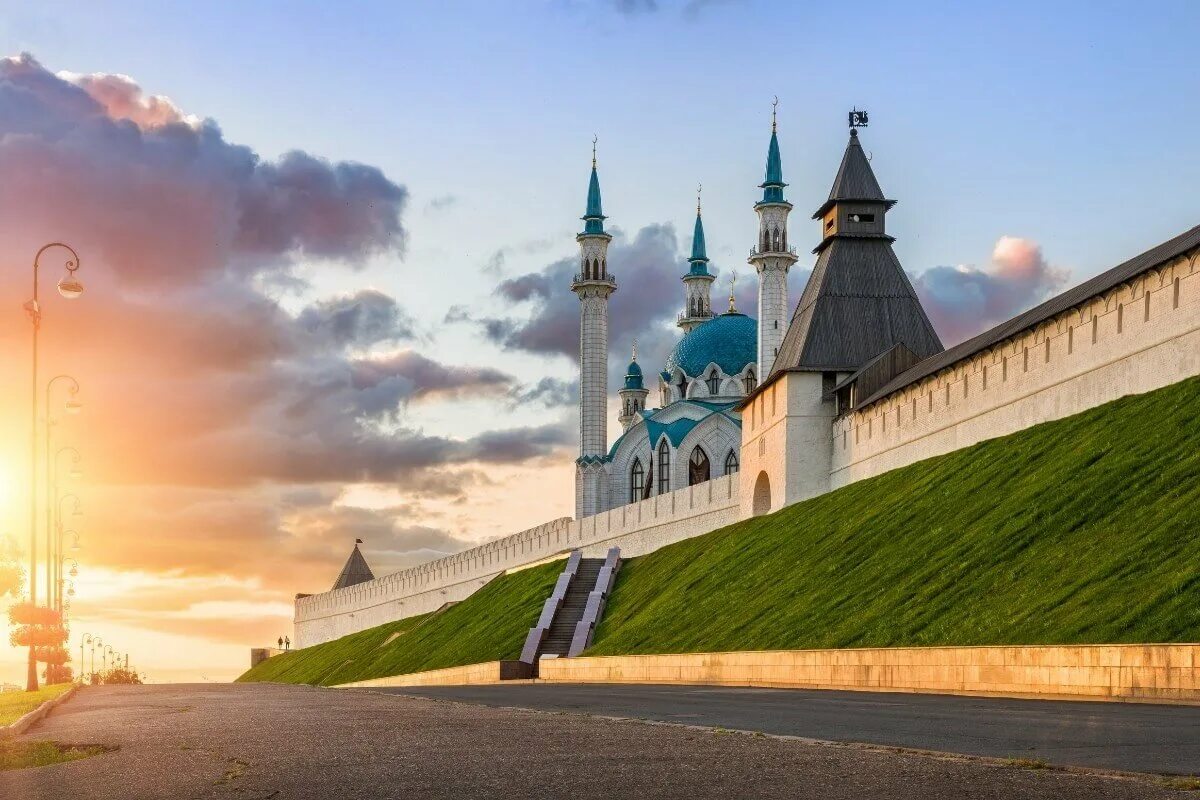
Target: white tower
[
  {"x": 772, "y": 258},
  {"x": 697, "y": 308},
  {"x": 633, "y": 393},
  {"x": 593, "y": 285}
]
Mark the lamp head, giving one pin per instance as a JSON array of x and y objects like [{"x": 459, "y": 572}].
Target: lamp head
[
  {"x": 74, "y": 572},
  {"x": 71, "y": 589},
  {"x": 70, "y": 287},
  {"x": 75, "y": 474},
  {"x": 73, "y": 406}
]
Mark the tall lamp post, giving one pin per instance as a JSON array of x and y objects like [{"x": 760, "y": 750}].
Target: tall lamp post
[
  {"x": 69, "y": 287},
  {"x": 72, "y": 406},
  {"x": 53, "y": 520},
  {"x": 85, "y": 639},
  {"x": 108, "y": 648}
]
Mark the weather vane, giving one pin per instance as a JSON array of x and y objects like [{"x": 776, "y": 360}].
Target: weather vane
[
  {"x": 858, "y": 119},
  {"x": 595, "y": 139},
  {"x": 635, "y": 349},
  {"x": 774, "y": 106},
  {"x": 699, "y": 188},
  {"x": 732, "y": 286}
]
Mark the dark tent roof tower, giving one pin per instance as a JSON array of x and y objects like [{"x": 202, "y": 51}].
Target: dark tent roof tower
[
  {"x": 355, "y": 572},
  {"x": 858, "y": 302}
]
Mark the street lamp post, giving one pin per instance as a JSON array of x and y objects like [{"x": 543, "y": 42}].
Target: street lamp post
[
  {"x": 85, "y": 639},
  {"x": 56, "y": 542},
  {"x": 69, "y": 287},
  {"x": 108, "y": 648},
  {"x": 72, "y": 406},
  {"x": 97, "y": 642},
  {"x": 53, "y": 520}
]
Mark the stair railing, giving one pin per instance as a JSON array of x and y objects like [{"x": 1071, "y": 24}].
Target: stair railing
[
  {"x": 533, "y": 641},
  {"x": 597, "y": 599}
]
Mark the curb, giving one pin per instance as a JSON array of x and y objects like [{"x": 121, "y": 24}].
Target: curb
[{"x": 26, "y": 722}]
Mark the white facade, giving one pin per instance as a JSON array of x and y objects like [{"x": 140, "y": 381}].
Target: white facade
[{"x": 772, "y": 258}]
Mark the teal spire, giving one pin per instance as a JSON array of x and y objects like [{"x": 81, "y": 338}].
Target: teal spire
[
  {"x": 593, "y": 218},
  {"x": 699, "y": 259},
  {"x": 773, "y": 184}
]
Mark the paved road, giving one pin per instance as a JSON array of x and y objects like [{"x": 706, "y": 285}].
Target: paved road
[
  {"x": 254, "y": 741},
  {"x": 1119, "y": 736}
]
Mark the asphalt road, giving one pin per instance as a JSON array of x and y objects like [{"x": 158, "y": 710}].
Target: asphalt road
[
  {"x": 256, "y": 741},
  {"x": 1119, "y": 736}
]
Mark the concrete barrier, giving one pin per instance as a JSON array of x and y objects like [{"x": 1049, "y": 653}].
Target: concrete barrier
[
  {"x": 1149, "y": 672},
  {"x": 25, "y": 722},
  {"x": 469, "y": 675}
]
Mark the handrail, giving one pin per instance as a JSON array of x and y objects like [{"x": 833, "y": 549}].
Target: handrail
[
  {"x": 597, "y": 599},
  {"x": 537, "y": 633}
]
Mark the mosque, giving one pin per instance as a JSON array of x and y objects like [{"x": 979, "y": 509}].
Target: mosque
[{"x": 859, "y": 304}]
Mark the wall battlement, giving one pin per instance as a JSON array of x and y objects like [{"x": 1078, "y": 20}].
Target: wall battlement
[{"x": 637, "y": 528}]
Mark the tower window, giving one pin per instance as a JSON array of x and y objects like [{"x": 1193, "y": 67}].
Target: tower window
[
  {"x": 698, "y": 467},
  {"x": 637, "y": 481},
  {"x": 731, "y": 463},
  {"x": 714, "y": 383},
  {"x": 664, "y": 467},
  {"x": 682, "y": 386},
  {"x": 751, "y": 383},
  {"x": 860, "y": 218}
]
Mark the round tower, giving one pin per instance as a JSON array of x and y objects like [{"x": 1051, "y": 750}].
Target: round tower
[
  {"x": 633, "y": 393},
  {"x": 697, "y": 303},
  {"x": 593, "y": 285},
  {"x": 772, "y": 257}
]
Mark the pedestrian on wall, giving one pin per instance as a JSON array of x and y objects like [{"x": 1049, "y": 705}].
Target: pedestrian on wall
[
  {"x": 280, "y": 642},
  {"x": 287, "y": 643}
]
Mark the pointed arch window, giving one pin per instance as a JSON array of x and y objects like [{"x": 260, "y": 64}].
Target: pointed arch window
[
  {"x": 714, "y": 382},
  {"x": 751, "y": 383},
  {"x": 731, "y": 463},
  {"x": 698, "y": 467},
  {"x": 682, "y": 386},
  {"x": 664, "y": 467},
  {"x": 637, "y": 481}
]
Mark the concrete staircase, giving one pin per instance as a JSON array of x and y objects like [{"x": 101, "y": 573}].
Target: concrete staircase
[{"x": 562, "y": 629}]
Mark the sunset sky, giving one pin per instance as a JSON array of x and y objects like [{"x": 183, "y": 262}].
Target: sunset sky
[{"x": 327, "y": 251}]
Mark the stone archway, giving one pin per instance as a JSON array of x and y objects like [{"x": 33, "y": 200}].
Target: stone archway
[{"x": 762, "y": 494}]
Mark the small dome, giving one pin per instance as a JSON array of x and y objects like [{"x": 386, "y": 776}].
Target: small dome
[
  {"x": 633, "y": 376},
  {"x": 730, "y": 341}
]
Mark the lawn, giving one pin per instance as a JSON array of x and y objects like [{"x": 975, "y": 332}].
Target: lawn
[
  {"x": 14, "y": 705},
  {"x": 489, "y": 625},
  {"x": 19, "y": 755},
  {"x": 1082, "y": 530}
]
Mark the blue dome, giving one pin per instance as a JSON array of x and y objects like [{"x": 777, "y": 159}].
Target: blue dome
[
  {"x": 730, "y": 341},
  {"x": 633, "y": 376}
]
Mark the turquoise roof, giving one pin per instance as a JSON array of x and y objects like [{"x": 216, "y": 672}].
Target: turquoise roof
[
  {"x": 699, "y": 259},
  {"x": 773, "y": 184},
  {"x": 729, "y": 340},
  {"x": 633, "y": 376},
  {"x": 675, "y": 431},
  {"x": 594, "y": 217}
]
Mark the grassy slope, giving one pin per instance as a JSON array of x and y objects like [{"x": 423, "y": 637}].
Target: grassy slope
[
  {"x": 14, "y": 705},
  {"x": 1085, "y": 529},
  {"x": 489, "y": 625}
]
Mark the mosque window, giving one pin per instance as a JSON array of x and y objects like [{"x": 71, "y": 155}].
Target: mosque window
[
  {"x": 698, "y": 467},
  {"x": 664, "y": 467},
  {"x": 637, "y": 481},
  {"x": 714, "y": 382},
  {"x": 731, "y": 463},
  {"x": 682, "y": 386},
  {"x": 751, "y": 383}
]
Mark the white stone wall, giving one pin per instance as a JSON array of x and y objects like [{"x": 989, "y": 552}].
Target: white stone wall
[
  {"x": 637, "y": 529},
  {"x": 1140, "y": 336}
]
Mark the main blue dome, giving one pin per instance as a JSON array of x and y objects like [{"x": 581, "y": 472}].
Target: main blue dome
[{"x": 730, "y": 341}]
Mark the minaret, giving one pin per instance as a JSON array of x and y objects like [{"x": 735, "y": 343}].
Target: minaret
[
  {"x": 697, "y": 283},
  {"x": 593, "y": 285},
  {"x": 772, "y": 258},
  {"x": 633, "y": 393}
]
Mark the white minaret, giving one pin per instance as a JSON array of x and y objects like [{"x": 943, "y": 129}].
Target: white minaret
[
  {"x": 593, "y": 285},
  {"x": 772, "y": 258},
  {"x": 633, "y": 393}
]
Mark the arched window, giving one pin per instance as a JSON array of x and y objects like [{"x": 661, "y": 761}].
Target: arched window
[
  {"x": 637, "y": 481},
  {"x": 664, "y": 467},
  {"x": 714, "y": 382},
  {"x": 698, "y": 468},
  {"x": 731, "y": 463},
  {"x": 682, "y": 386},
  {"x": 751, "y": 383}
]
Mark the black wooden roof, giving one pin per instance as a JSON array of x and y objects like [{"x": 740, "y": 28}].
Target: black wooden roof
[
  {"x": 855, "y": 180},
  {"x": 1100, "y": 284},
  {"x": 857, "y": 304},
  {"x": 356, "y": 571}
]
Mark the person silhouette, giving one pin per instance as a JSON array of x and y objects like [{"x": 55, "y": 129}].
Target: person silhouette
[
  {"x": 287, "y": 643},
  {"x": 280, "y": 642}
]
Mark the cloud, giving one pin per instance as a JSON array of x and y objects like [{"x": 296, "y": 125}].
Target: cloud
[
  {"x": 362, "y": 319},
  {"x": 162, "y": 199},
  {"x": 441, "y": 203},
  {"x": 630, "y": 7},
  {"x": 965, "y": 300}
]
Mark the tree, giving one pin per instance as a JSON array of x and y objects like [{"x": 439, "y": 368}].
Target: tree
[{"x": 12, "y": 576}]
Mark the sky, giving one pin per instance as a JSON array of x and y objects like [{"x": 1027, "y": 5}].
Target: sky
[{"x": 327, "y": 248}]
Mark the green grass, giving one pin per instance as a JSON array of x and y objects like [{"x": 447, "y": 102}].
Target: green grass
[
  {"x": 489, "y": 625},
  {"x": 14, "y": 705},
  {"x": 1082, "y": 530},
  {"x": 19, "y": 755}
]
